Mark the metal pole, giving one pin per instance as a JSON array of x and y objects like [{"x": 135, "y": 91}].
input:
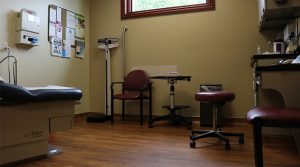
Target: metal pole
[{"x": 123, "y": 50}]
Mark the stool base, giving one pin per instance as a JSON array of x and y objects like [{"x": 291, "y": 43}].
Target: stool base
[
  {"x": 173, "y": 117},
  {"x": 214, "y": 133}
]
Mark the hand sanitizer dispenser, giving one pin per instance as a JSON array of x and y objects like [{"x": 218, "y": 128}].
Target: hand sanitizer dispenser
[{"x": 27, "y": 28}]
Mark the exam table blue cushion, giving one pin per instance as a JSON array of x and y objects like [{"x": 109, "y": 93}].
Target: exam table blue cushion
[{"x": 10, "y": 93}]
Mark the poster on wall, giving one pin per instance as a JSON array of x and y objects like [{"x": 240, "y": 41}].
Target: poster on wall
[
  {"x": 70, "y": 19},
  {"x": 66, "y": 32},
  {"x": 66, "y": 49},
  {"x": 70, "y": 35},
  {"x": 56, "y": 47},
  {"x": 58, "y": 29},
  {"x": 79, "y": 44},
  {"x": 52, "y": 22},
  {"x": 79, "y": 25}
]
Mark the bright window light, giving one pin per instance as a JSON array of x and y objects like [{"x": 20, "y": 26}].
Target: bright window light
[
  {"x": 143, "y": 8},
  {"x": 141, "y": 5}
]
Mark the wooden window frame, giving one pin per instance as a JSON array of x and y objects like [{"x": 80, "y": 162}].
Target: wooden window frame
[{"x": 126, "y": 9}]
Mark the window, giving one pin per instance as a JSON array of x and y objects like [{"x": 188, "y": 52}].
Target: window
[{"x": 142, "y": 8}]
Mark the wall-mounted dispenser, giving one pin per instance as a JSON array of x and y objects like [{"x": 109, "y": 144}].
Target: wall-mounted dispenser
[{"x": 27, "y": 28}]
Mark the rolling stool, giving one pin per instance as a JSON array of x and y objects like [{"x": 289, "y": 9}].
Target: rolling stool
[{"x": 215, "y": 98}]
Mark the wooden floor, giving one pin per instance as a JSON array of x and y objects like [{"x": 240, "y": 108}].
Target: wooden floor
[{"x": 127, "y": 144}]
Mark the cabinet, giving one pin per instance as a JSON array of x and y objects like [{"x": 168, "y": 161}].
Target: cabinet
[
  {"x": 206, "y": 109},
  {"x": 276, "y": 14},
  {"x": 281, "y": 78}
]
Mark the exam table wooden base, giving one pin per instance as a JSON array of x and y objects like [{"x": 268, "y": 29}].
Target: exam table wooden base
[{"x": 25, "y": 128}]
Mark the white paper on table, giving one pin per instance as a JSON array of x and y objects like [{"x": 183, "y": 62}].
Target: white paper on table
[{"x": 49, "y": 87}]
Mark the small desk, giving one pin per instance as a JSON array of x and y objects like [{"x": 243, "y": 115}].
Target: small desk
[
  {"x": 259, "y": 69},
  {"x": 173, "y": 117},
  {"x": 277, "y": 77}
]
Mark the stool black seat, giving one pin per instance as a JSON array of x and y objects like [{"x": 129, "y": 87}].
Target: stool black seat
[
  {"x": 216, "y": 99},
  {"x": 270, "y": 117}
]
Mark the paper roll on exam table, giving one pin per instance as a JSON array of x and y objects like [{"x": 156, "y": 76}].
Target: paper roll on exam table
[{"x": 28, "y": 115}]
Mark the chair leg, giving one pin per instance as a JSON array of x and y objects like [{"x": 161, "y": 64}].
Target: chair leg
[
  {"x": 112, "y": 110},
  {"x": 258, "y": 150},
  {"x": 123, "y": 110},
  {"x": 150, "y": 102},
  {"x": 141, "y": 112},
  {"x": 150, "y": 109},
  {"x": 215, "y": 117}
]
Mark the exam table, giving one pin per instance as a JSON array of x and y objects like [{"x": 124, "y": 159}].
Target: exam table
[{"x": 28, "y": 115}]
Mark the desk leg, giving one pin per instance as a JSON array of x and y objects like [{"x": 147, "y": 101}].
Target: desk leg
[
  {"x": 172, "y": 95},
  {"x": 256, "y": 82}
]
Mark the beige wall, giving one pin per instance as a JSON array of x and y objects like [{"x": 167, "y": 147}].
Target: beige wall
[
  {"x": 36, "y": 67},
  {"x": 212, "y": 47}
]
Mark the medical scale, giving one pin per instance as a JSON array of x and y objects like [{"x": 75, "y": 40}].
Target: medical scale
[{"x": 106, "y": 44}]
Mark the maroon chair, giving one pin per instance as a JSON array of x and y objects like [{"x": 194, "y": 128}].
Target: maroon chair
[
  {"x": 135, "y": 84},
  {"x": 216, "y": 99},
  {"x": 270, "y": 117}
]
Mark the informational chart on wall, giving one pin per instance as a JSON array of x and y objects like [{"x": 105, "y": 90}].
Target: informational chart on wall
[{"x": 66, "y": 32}]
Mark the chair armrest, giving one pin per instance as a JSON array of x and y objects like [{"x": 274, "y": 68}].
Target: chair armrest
[{"x": 114, "y": 83}]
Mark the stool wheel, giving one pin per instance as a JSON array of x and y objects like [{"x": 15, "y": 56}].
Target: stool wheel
[
  {"x": 227, "y": 145},
  {"x": 241, "y": 140},
  {"x": 150, "y": 124},
  {"x": 192, "y": 144}
]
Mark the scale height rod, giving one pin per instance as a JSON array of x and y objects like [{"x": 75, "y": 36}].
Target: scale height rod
[{"x": 123, "y": 50}]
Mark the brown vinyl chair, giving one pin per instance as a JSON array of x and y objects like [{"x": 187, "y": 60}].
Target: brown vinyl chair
[{"x": 135, "y": 84}]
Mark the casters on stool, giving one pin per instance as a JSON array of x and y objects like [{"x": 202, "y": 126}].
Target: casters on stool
[
  {"x": 192, "y": 144},
  {"x": 241, "y": 140},
  {"x": 217, "y": 134},
  {"x": 227, "y": 145}
]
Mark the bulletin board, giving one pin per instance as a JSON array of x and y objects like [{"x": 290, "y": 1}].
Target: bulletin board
[{"x": 66, "y": 32}]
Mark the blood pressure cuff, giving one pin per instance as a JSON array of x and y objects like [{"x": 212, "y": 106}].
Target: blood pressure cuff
[{"x": 11, "y": 94}]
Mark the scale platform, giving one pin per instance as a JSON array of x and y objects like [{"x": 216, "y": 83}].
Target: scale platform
[{"x": 98, "y": 118}]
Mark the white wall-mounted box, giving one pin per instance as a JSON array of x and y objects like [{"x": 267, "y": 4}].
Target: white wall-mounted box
[
  {"x": 27, "y": 20},
  {"x": 27, "y": 38},
  {"x": 27, "y": 28}
]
